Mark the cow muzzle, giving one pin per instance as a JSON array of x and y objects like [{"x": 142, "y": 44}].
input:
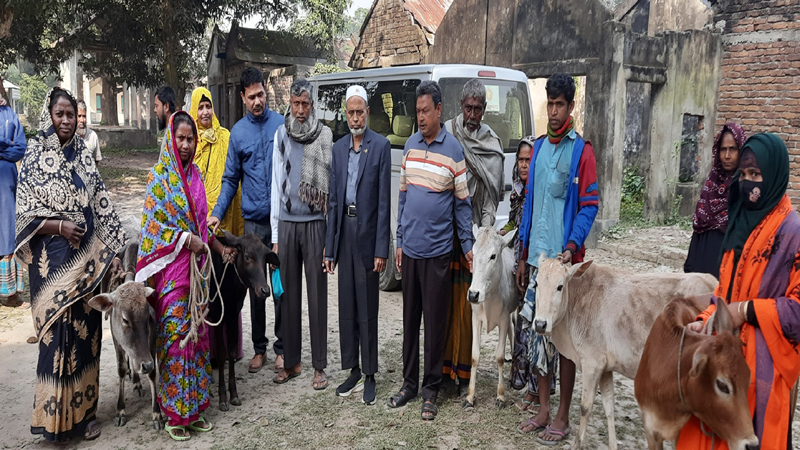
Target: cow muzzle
[
  {"x": 473, "y": 296},
  {"x": 147, "y": 367},
  {"x": 540, "y": 325}
]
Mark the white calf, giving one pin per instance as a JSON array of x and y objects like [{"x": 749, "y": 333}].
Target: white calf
[{"x": 493, "y": 296}]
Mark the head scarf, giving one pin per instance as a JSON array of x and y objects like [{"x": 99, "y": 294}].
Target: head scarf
[
  {"x": 518, "y": 193},
  {"x": 207, "y": 136},
  {"x": 62, "y": 182},
  {"x": 711, "y": 212},
  {"x": 773, "y": 161},
  {"x": 169, "y": 208}
]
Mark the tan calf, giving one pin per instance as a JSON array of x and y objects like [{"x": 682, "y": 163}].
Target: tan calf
[{"x": 599, "y": 317}]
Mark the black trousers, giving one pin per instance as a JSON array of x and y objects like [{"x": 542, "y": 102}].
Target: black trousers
[
  {"x": 300, "y": 247},
  {"x": 358, "y": 303},
  {"x": 258, "y": 309},
  {"x": 426, "y": 292}
]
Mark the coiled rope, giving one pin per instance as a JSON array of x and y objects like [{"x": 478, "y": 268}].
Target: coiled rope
[{"x": 199, "y": 301}]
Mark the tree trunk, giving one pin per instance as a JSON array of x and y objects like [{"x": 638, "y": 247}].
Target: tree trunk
[
  {"x": 170, "y": 55},
  {"x": 109, "y": 103},
  {"x": 3, "y": 92}
]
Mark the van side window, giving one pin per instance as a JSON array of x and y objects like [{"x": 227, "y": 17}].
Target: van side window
[
  {"x": 507, "y": 108},
  {"x": 392, "y": 106}
]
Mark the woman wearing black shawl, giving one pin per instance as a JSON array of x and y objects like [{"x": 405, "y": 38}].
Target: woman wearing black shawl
[{"x": 68, "y": 233}]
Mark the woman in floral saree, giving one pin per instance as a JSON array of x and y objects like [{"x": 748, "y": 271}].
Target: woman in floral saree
[
  {"x": 759, "y": 283},
  {"x": 174, "y": 231},
  {"x": 68, "y": 234}
]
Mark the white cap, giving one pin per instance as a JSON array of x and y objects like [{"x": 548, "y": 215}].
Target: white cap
[{"x": 356, "y": 91}]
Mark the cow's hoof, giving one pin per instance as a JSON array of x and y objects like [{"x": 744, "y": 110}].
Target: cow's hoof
[
  {"x": 466, "y": 404},
  {"x": 236, "y": 402},
  {"x": 500, "y": 404},
  {"x": 120, "y": 421},
  {"x": 158, "y": 424},
  {"x": 224, "y": 406}
]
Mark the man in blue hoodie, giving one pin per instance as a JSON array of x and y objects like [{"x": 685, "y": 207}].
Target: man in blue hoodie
[{"x": 249, "y": 161}]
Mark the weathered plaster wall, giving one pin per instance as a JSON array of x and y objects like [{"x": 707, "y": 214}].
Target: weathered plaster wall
[
  {"x": 691, "y": 87},
  {"x": 760, "y": 86},
  {"x": 678, "y": 15}
]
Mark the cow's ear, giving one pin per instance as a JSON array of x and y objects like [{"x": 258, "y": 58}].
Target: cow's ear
[
  {"x": 272, "y": 258},
  {"x": 229, "y": 240},
  {"x": 698, "y": 364},
  {"x": 509, "y": 237},
  {"x": 542, "y": 259},
  {"x": 102, "y": 302},
  {"x": 475, "y": 230},
  {"x": 722, "y": 318},
  {"x": 578, "y": 270},
  {"x": 148, "y": 291}
]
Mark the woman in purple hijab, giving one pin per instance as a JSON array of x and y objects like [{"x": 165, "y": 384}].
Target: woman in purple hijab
[{"x": 710, "y": 218}]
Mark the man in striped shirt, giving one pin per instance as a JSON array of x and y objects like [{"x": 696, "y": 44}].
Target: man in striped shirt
[{"x": 433, "y": 188}]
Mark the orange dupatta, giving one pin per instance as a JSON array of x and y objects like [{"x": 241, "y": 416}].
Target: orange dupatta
[{"x": 786, "y": 362}]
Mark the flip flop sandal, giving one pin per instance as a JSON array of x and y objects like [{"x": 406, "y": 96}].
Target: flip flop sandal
[
  {"x": 170, "y": 430},
  {"x": 92, "y": 431},
  {"x": 429, "y": 407},
  {"x": 525, "y": 405},
  {"x": 322, "y": 383},
  {"x": 277, "y": 380},
  {"x": 538, "y": 426},
  {"x": 401, "y": 398},
  {"x": 193, "y": 427},
  {"x": 561, "y": 434}
]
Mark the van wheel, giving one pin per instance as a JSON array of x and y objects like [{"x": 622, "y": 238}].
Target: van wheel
[{"x": 389, "y": 279}]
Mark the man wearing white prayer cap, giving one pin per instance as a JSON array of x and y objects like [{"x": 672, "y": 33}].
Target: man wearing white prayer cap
[{"x": 358, "y": 240}]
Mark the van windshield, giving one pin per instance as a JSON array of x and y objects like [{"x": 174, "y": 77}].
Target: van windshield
[
  {"x": 392, "y": 107},
  {"x": 507, "y": 108}
]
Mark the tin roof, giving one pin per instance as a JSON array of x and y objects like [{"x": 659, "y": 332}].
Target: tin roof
[{"x": 428, "y": 13}]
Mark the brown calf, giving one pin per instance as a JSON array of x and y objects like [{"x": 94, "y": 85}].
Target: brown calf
[{"x": 713, "y": 380}]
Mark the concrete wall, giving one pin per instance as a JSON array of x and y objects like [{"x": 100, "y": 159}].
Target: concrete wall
[
  {"x": 678, "y": 15},
  {"x": 391, "y": 38},
  {"x": 691, "y": 87},
  {"x": 760, "y": 86},
  {"x": 125, "y": 137}
]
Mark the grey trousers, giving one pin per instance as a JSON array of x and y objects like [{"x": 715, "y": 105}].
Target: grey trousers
[
  {"x": 358, "y": 303},
  {"x": 258, "y": 310},
  {"x": 300, "y": 248}
]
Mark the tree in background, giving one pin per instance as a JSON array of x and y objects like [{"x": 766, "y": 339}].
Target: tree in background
[{"x": 144, "y": 43}]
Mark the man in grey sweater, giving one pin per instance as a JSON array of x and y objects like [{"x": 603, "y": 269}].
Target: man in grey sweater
[{"x": 301, "y": 164}]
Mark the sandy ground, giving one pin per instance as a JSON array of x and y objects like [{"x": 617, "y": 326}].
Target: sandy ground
[{"x": 294, "y": 415}]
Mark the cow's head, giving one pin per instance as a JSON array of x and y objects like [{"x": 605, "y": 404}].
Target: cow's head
[
  {"x": 132, "y": 321},
  {"x": 552, "y": 296},
  {"x": 718, "y": 383},
  {"x": 251, "y": 261},
  {"x": 487, "y": 254}
]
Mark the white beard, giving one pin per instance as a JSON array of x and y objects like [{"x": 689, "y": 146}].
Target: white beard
[
  {"x": 358, "y": 131},
  {"x": 81, "y": 131}
]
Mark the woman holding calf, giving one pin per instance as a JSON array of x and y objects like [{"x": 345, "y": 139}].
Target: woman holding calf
[
  {"x": 759, "y": 283},
  {"x": 174, "y": 231}
]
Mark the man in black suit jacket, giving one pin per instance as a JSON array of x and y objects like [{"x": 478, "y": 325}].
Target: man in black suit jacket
[{"x": 358, "y": 240}]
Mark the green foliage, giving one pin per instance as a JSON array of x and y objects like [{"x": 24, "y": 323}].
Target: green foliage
[
  {"x": 674, "y": 217},
  {"x": 324, "y": 20},
  {"x": 322, "y": 69},
  {"x": 32, "y": 91},
  {"x": 632, "y": 204},
  {"x": 352, "y": 25}
]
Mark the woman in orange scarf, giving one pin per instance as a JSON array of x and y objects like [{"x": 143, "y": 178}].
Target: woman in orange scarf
[{"x": 759, "y": 283}]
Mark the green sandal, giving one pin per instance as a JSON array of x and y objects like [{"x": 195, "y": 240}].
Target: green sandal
[
  {"x": 186, "y": 436},
  {"x": 193, "y": 427}
]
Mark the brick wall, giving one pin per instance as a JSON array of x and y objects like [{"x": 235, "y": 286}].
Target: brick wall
[
  {"x": 390, "y": 38},
  {"x": 760, "y": 86},
  {"x": 278, "y": 94}
]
